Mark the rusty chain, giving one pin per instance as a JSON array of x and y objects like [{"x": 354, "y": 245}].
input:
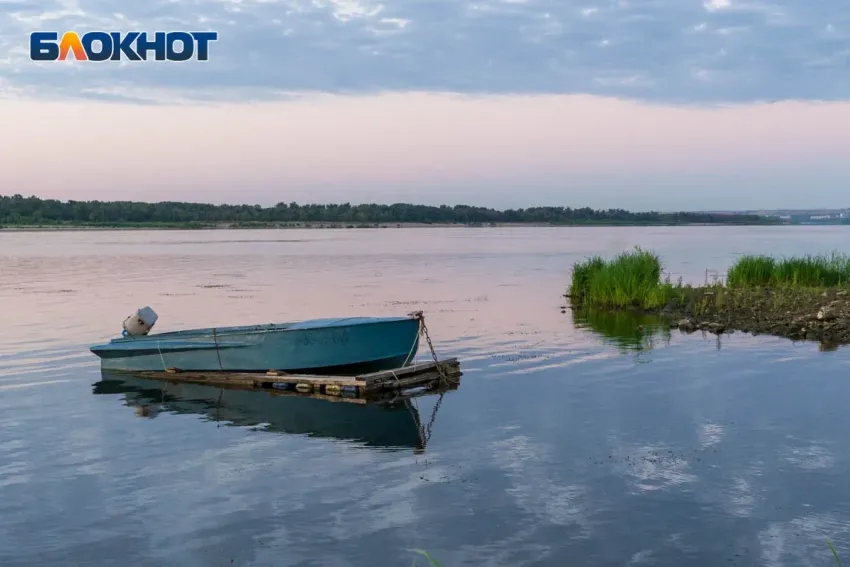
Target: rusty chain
[
  {"x": 433, "y": 416},
  {"x": 423, "y": 330},
  {"x": 425, "y": 432}
]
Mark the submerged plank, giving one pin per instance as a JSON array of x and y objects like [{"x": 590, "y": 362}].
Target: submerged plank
[
  {"x": 343, "y": 399},
  {"x": 423, "y": 374}
]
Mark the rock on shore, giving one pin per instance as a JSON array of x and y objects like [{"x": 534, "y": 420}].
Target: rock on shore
[{"x": 798, "y": 314}]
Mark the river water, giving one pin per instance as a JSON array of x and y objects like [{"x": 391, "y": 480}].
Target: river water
[{"x": 568, "y": 442}]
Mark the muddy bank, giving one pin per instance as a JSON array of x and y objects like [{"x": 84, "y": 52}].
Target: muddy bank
[{"x": 794, "y": 313}]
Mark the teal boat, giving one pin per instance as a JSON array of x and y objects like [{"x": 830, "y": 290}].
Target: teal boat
[{"x": 345, "y": 347}]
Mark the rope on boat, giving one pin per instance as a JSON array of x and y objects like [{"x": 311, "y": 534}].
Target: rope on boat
[
  {"x": 215, "y": 338},
  {"x": 161, "y": 358},
  {"x": 412, "y": 348}
]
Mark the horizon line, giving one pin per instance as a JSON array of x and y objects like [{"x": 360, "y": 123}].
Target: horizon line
[{"x": 754, "y": 211}]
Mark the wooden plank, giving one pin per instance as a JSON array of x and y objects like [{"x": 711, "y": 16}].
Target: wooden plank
[
  {"x": 391, "y": 383},
  {"x": 420, "y": 384},
  {"x": 412, "y": 369},
  {"x": 309, "y": 379},
  {"x": 408, "y": 382},
  {"x": 251, "y": 378},
  {"x": 407, "y": 377}
]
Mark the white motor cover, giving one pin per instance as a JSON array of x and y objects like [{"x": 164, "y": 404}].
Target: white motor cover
[{"x": 140, "y": 322}]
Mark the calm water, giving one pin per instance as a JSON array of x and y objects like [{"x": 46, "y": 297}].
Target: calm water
[{"x": 567, "y": 443}]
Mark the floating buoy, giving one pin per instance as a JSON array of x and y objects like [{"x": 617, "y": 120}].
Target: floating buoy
[
  {"x": 304, "y": 388},
  {"x": 332, "y": 389}
]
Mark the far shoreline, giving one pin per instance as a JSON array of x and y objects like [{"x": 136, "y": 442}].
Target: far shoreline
[{"x": 334, "y": 226}]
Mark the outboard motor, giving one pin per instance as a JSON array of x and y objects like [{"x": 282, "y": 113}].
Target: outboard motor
[{"x": 139, "y": 323}]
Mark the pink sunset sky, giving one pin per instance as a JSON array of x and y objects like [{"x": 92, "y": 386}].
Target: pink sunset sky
[
  {"x": 498, "y": 151},
  {"x": 576, "y": 107}
]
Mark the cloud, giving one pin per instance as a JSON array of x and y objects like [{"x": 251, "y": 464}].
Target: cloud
[{"x": 681, "y": 51}]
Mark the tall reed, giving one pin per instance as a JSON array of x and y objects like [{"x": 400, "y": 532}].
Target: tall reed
[
  {"x": 805, "y": 271},
  {"x": 631, "y": 279}
]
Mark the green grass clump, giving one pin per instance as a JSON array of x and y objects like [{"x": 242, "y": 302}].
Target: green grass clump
[
  {"x": 751, "y": 271},
  {"x": 806, "y": 271},
  {"x": 583, "y": 273},
  {"x": 631, "y": 279}
]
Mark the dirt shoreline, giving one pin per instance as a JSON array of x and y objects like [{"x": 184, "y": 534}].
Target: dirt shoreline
[{"x": 794, "y": 313}]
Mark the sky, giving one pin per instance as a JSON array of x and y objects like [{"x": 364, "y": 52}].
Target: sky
[{"x": 638, "y": 104}]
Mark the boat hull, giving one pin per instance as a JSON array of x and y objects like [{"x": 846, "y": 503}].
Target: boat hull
[
  {"x": 376, "y": 425},
  {"x": 347, "y": 346}
]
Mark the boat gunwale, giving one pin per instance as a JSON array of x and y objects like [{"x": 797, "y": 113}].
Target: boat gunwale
[{"x": 251, "y": 329}]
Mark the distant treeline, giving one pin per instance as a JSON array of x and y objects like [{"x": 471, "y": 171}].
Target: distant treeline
[{"x": 22, "y": 211}]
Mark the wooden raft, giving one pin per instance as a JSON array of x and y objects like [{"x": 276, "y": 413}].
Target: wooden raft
[{"x": 426, "y": 374}]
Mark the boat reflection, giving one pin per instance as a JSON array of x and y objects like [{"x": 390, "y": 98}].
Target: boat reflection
[
  {"x": 628, "y": 331},
  {"x": 392, "y": 423}
]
